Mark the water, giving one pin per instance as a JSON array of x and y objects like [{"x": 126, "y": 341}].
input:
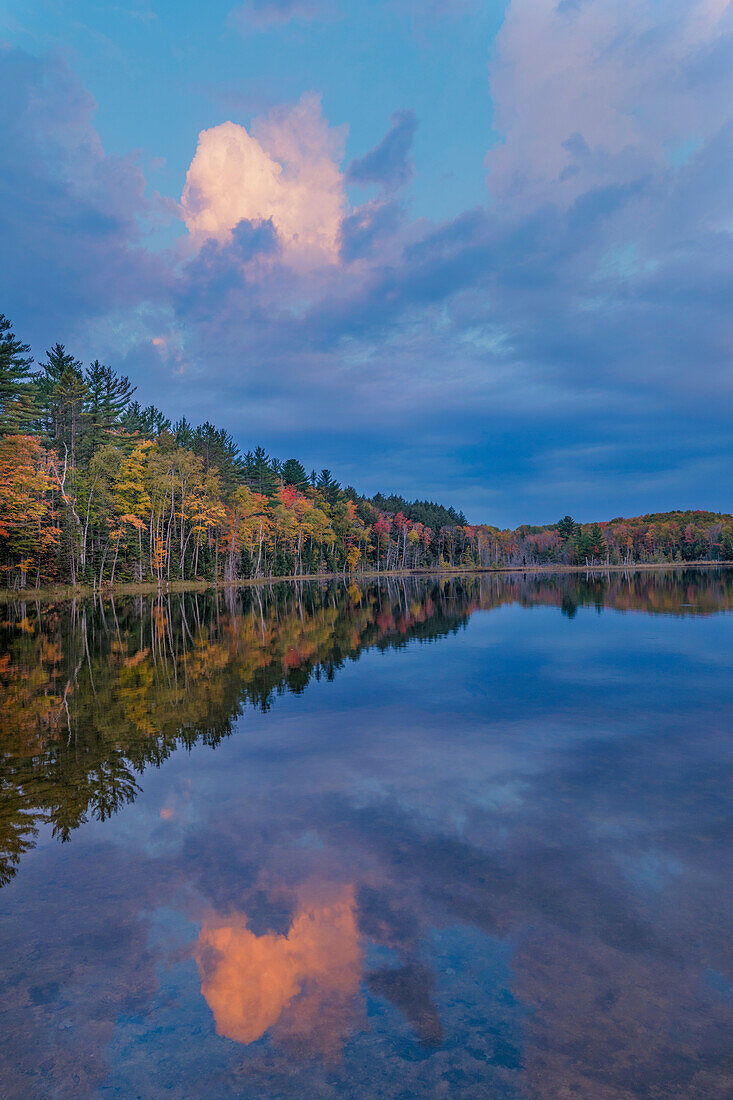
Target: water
[{"x": 433, "y": 838}]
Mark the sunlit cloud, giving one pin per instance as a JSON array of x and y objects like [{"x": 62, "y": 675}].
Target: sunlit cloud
[{"x": 286, "y": 171}]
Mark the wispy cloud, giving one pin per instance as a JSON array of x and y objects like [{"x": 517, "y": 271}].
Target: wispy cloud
[{"x": 262, "y": 14}]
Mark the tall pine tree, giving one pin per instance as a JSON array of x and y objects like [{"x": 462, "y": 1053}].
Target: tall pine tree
[{"x": 17, "y": 394}]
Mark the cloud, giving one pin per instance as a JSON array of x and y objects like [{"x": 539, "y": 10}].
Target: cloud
[
  {"x": 388, "y": 164},
  {"x": 601, "y": 92},
  {"x": 72, "y": 217},
  {"x": 263, "y": 14},
  {"x": 286, "y": 172},
  {"x": 369, "y": 228}
]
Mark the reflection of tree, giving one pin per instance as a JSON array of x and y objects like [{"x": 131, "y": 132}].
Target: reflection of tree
[
  {"x": 92, "y": 694},
  {"x": 18, "y": 831}
]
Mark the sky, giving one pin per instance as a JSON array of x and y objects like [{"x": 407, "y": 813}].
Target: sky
[{"x": 473, "y": 251}]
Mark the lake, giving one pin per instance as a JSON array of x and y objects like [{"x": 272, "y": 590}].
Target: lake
[{"x": 424, "y": 837}]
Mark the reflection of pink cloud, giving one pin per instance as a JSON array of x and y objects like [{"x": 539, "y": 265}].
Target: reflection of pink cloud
[
  {"x": 167, "y": 813},
  {"x": 303, "y": 982},
  {"x": 285, "y": 171}
]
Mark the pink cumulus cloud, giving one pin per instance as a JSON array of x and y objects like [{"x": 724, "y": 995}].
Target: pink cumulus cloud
[{"x": 286, "y": 171}]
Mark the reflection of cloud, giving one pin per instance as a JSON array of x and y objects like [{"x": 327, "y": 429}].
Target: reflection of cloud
[
  {"x": 302, "y": 982},
  {"x": 410, "y": 989}
]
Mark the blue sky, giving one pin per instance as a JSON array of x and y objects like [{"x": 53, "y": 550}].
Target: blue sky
[{"x": 479, "y": 252}]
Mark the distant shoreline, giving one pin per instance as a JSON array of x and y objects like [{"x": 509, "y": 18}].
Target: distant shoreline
[{"x": 62, "y": 592}]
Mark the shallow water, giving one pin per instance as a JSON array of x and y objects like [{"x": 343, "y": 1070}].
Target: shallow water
[{"x": 432, "y": 838}]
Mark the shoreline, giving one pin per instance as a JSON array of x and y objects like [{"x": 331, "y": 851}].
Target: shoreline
[{"x": 66, "y": 592}]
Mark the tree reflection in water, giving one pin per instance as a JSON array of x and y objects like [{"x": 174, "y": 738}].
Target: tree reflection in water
[{"x": 515, "y": 884}]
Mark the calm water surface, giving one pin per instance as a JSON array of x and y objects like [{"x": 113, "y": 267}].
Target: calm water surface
[{"x": 433, "y": 838}]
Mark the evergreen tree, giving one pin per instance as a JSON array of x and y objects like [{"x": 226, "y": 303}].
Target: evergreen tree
[
  {"x": 17, "y": 397},
  {"x": 218, "y": 451},
  {"x": 567, "y": 528},
  {"x": 108, "y": 398},
  {"x": 596, "y": 543},
  {"x": 61, "y": 393},
  {"x": 328, "y": 485},
  {"x": 258, "y": 473},
  {"x": 293, "y": 473},
  {"x": 148, "y": 423}
]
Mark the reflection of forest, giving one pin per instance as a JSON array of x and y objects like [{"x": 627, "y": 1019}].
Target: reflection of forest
[{"x": 92, "y": 693}]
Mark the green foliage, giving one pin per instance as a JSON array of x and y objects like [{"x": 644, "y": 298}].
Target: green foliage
[
  {"x": 17, "y": 393},
  {"x": 567, "y": 528},
  {"x": 293, "y": 473},
  {"x": 258, "y": 473},
  {"x": 148, "y": 423},
  {"x": 328, "y": 486},
  {"x": 108, "y": 399},
  {"x": 217, "y": 449},
  {"x": 426, "y": 512}
]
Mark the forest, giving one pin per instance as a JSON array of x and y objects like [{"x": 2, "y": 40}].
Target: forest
[{"x": 98, "y": 490}]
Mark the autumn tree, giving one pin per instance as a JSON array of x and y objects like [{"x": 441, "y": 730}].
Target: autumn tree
[{"x": 27, "y": 521}]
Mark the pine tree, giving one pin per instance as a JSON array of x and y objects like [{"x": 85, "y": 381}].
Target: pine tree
[
  {"x": 17, "y": 396},
  {"x": 596, "y": 542},
  {"x": 567, "y": 528},
  {"x": 328, "y": 485},
  {"x": 108, "y": 397},
  {"x": 219, "y": 451},
  {"x": 293, "y": 473},
  {"x": 61, "y": 392},
  {"x": 148, "y": 423},
  {"x": 258, "y": 472}
]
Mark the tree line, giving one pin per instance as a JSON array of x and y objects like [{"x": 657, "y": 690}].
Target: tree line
[{"x": 97, "y": 489}]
